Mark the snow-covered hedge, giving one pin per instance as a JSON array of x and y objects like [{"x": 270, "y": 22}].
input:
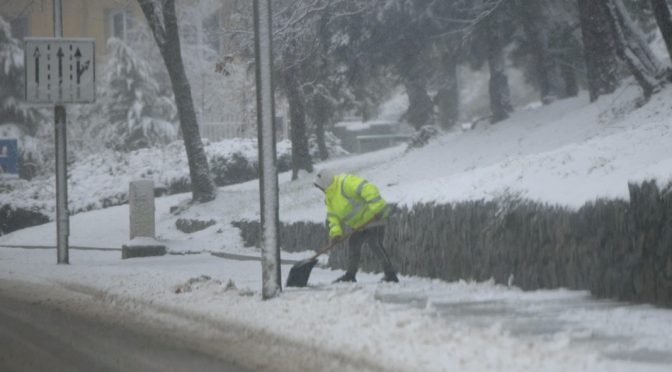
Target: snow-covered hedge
[
  {"x": 295, "y": 237},
  {"x": 12, "y": 219},
  {"x": 613, "y": 248},
  {"x": 101, "y": 180}
]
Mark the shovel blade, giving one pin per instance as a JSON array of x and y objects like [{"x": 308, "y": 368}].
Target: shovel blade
[{"x": 300, "y": 272}]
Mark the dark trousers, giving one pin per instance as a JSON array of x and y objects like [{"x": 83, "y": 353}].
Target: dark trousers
[{"x": 373, "y": 237}]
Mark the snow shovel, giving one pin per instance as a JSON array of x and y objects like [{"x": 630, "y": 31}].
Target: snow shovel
[{"x": 300, "y": 272}]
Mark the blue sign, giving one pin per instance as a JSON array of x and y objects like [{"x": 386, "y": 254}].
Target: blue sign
[{"x": 9, "y": 157}]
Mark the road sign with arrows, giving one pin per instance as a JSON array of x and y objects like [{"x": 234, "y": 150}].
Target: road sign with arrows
[{"x": 60, "y": 70}]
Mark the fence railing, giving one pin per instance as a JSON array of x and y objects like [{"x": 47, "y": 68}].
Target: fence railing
[
  {"x": 226, "y": 130},
  {"x": 216, "y": 131}
]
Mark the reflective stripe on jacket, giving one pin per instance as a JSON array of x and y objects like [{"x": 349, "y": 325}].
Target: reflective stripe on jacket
[{"x": 352, "y": 201}]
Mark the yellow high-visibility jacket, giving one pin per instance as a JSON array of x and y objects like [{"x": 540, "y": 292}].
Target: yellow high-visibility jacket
[{"x": 352, "y": 201}]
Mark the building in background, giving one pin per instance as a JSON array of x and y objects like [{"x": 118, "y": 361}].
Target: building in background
[
  {"x": 224, "y": 103},
  {"x": 98, "y": 19}
]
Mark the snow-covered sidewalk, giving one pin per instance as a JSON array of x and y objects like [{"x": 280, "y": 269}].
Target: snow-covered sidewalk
[{"x": 416, "y": 325}]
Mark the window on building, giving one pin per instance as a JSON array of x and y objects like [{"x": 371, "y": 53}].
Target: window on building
[
  {"x": 19, "y": 27},
  {"x": 121, "y": 24}
]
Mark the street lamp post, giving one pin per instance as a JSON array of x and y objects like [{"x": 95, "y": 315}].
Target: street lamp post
[{"x": 268, "y": 174}]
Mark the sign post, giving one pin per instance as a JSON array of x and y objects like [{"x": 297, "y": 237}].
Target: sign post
[
  {"x": 60, "y": 71},
  {"x": 62, "y": 215},
  {"x": 268, "y": 173}
]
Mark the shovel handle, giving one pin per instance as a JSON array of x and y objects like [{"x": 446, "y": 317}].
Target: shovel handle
[
  {"x": 331, "y": 245},
  {"x": 327, "y": 248}
]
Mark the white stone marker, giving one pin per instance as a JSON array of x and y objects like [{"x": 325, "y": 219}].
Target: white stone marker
[
  {"x": 142, "y": 222},
  {"x": 141, "y": 208}
]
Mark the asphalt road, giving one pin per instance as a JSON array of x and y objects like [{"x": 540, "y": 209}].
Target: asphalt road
[{"x": 37, "y": 336}]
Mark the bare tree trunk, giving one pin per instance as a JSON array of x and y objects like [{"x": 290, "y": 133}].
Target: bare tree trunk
[
  {"x": 411, "y": 69},
  {"x": 358, "y": 80},
  {"x": 447, "y": 99},
  {"x": 297, "y": 116},
  {"x": 321, "y": 143},
  {"x": 598, "y": 44},
  {"x": 571, "y": 84},
  {"x": 420, "y": 105},
  {"x": 500, "y": 93},
  {"x": 664, "y": 20},
  {"x": 163, "y": 22},
  {"x": 320, "y": 117},
  {"x": 632, "y": 47},
  {"x": 536, "y": 27},
  {"x": 567, "y": 61}
]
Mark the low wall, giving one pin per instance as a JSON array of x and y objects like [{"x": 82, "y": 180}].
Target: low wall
[
  {"x": 12, "y": 219},
  {"x": 613, "y": 248},
  {"x": 296, "y": 237}
]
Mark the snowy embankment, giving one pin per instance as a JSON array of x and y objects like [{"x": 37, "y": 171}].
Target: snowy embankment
[{"x": 566, "y": 153}]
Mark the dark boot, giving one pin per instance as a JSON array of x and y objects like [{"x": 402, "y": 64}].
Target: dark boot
[
  {"x": 347, "y": 278},
  {"x": 390, "y": 277}
]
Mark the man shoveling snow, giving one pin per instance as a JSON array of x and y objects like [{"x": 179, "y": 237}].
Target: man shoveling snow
[{"x": 354, "y": 203}]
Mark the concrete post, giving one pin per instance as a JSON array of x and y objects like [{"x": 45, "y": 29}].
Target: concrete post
[
  {"x": 141, "y": 209},
  {"x": 142, "y": 228}
]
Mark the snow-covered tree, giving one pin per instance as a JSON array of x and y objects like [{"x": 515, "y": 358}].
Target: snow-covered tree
[
  {"x": 357, "y": 70},
  {"x": 12, "y": 111},
  {"x": 223, "y": 86},
  {"x": 131, "y": 112},
  {"x": 664, "y": 19},
  {"x": 661, "y": 10},
  {"x": 17, "y": 120},
  {"x": 299, "y": 42},
  {"x": 633, "y": 48},
  {"x": 161, "y": 17}
]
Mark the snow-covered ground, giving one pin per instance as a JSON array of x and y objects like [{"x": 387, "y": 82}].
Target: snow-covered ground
[
  {"x": 418, "y": 325},
  {"x": 566, "y": 153}
]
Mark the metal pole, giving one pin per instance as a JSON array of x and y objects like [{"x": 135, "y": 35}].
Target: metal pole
[
  {"x": 268, "y": 180},
  {"x": 62, "y": 217},
  {"x": 58, "y": 19}
]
